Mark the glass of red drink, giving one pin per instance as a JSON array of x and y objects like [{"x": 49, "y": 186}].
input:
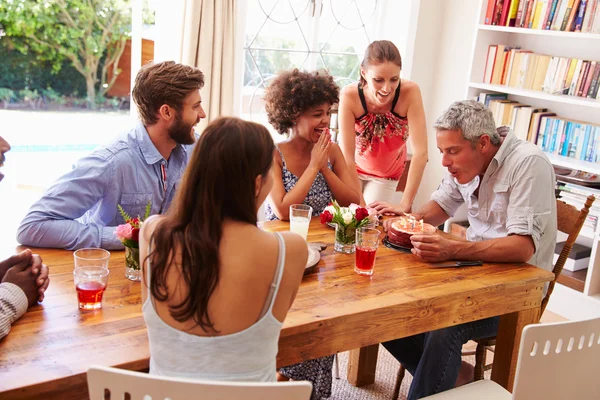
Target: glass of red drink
[
  {"x": 90, "y": 283},
  {"x": 90, "y": 277},
  {"x": 367, "y": 241}
]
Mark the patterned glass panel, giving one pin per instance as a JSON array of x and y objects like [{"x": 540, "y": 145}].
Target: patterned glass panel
[{"x": 305, "y": 34}]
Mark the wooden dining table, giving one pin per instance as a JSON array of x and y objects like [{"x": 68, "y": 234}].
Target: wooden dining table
[{"x": 49, "y": 349}]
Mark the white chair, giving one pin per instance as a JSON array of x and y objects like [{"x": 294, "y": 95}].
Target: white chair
[
  {"x": 556, "y": 361},
  {"x": 138, "y": 385}
]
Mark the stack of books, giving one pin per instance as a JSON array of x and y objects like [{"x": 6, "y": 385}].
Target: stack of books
[
  {"x": 576, "y": 195},
  {"x": 556, "y": 15},
  {"x": 523, "y": 69}
]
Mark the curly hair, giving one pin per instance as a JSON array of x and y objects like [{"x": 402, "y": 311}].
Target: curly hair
[{"x": 293, "y": 92}]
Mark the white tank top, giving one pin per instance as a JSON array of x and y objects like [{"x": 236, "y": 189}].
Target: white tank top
[{"x": 248, "y": 355}]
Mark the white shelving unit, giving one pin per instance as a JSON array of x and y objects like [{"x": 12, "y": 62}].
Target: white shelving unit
[{"x": 565, "y": 44}]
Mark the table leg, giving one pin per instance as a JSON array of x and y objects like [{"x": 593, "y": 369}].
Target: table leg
[
  {"x": 362, "y": 364},
  {"x": 507, "y": 345}
]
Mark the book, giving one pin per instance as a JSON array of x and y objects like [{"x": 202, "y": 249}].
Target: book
[
  {"x": 541, "y": 71},
  {"x": 521, "y": 128},
  {"x": 498, "y": 64},
  {"x": 489, "y": 63},
  {"x": 553, "y": 10},
  {"x": 589, "y": 16},
  {"x": 588, "y": 81},
  {"x": 595, "y": 82},
  {"x": 538, "y": 15},
  {"x": 560, "y": 15},
  {"x": 520, "y": 13},
  {"x": 575, "y": 78},
  {"x": 486, "y": 98},
  {"x": 512, "y": 13},
  {"x": 489, "y": 14},
  {"x": 579, "y": 17},
  {"x": 579, "y": 257},
  {"x": 550, "y": 73},
  {"x": 567, "y": 18},
  {"x": 533, "y": 62},
  {"x": 530, "y": 8},
  {"x": 498, "y": 12},
  {"x": 569, "y": 76},
  {"x": 505, "y": 10},
  {"x": 595, "y": 28},
  {"x": 535, "y": 126},
  {"x": 582, "y": 77}
]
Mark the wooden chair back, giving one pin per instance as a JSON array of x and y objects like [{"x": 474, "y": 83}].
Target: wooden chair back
[{"x": 569, "y": 221}]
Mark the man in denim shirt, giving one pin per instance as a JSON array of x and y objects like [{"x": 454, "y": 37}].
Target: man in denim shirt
[
  {"x": 508, "y": 187},
  {"x": 141, "y": 166}
]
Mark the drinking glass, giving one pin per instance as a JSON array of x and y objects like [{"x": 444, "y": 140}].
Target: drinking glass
[
  {"x": 367, "y": 242},
  {"x": 300, "y": 215},
  {"x": 90, "y": 283},
  {"x": 90, "y": 276},
  {"x": 91, "y": 257}
]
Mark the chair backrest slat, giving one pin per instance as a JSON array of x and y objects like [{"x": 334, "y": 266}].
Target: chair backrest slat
[{"x": 569, "y": 220}]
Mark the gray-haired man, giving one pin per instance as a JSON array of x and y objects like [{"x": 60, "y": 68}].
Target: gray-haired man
[{"x": 508, "y": 187}]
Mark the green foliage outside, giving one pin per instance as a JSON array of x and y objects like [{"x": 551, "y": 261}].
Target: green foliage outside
[{"x": 78, "y": 39}]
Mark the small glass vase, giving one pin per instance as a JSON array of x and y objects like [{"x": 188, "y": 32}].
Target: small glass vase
[
  {"x": 132, "y": 264},
  {"x": 345, "y": 239}
]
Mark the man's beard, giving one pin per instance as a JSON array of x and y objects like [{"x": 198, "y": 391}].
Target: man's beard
[{"x": 180, "y": 132}]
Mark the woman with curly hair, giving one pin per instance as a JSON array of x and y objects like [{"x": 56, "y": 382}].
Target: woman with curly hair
[
  {"x": 309, "y": 168},
  {"x": 378, "y": 116}
]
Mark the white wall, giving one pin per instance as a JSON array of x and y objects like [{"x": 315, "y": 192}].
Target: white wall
[{"x": 439, "y": 64}]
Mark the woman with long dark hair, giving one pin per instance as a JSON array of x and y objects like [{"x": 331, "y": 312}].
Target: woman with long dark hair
[{"x": 214, "y": 306}]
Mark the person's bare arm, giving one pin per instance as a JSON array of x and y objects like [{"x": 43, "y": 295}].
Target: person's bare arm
[
  {"x": 282, "y": 200},
  {"x": 339, "y": 180},
  {"x": 418, "y": 141},
  {"x": 513, "y": 248},
  {"x": 347, "y": 137}
]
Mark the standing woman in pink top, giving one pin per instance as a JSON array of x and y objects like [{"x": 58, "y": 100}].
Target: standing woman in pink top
[{"x": 377, "y": 117}]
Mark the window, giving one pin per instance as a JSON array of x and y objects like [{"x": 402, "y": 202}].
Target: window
[{"x": 304, "y": 34}]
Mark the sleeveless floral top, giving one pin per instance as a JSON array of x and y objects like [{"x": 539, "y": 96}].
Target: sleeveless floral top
[
  {"x": 381, "y": 141},
  {"x": 318, "y": 197}
]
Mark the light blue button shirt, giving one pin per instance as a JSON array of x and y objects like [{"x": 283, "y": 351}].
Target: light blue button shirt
[{"x": 80, "y": 208}]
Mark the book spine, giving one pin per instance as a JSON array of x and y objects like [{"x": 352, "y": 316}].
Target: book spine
[
  {"x": 593, "y": 91},
  {"x": 489, "y": 14},
  {"x": 505, "y": 10},
  {"x": 529, "y": 14},
  {"x": 580, "y": 14},
  {"x": 520, "y": 13},
  {"x": 589, "y": 16},
  {"x": 586, "y": 139},
  {"x": 551, "y": 14}
]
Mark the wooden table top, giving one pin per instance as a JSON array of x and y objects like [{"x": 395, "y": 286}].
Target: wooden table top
[{"x": 50, "y": 348}]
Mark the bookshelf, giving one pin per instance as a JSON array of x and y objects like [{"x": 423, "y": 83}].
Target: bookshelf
[{"x": 577, "y": 45}]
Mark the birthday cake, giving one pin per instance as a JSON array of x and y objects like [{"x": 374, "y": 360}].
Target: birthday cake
[{"x": 403, "y": 228}]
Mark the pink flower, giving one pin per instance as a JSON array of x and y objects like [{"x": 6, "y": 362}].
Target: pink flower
[
  {"x": 124, "y": 231},
  {"x": 353, "y": 207}
]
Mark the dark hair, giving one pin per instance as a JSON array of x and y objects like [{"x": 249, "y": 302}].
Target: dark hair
[
  {"x": 218, "y": 183},
  {"x": 378, "y": 52},
  {"x": 293, "y": 92},
  {"x": 166, "y": 82}
]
